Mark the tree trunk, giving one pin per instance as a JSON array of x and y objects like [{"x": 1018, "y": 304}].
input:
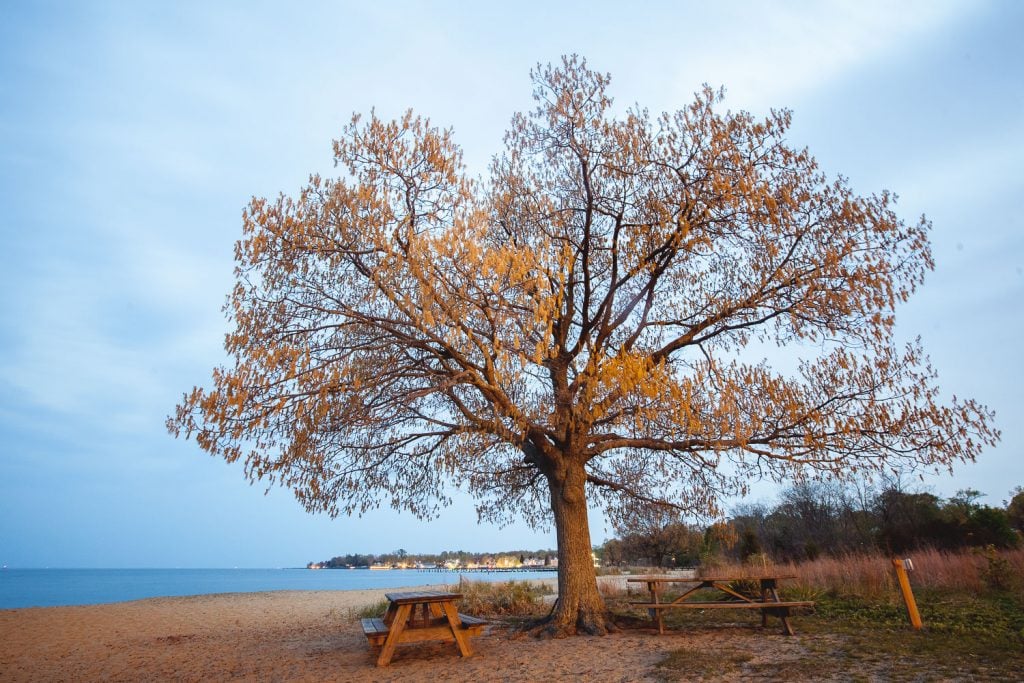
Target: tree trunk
[{"x": 580, "y": 607}]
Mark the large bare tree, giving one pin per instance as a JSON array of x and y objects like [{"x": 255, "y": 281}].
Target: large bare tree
[{"x": 576, "y": 328}]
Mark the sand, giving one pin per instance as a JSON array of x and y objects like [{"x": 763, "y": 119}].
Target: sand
[{"x": 303, "y": 636}]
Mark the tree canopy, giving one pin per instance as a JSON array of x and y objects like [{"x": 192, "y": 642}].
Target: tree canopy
[{"x": 578, "y": 323}]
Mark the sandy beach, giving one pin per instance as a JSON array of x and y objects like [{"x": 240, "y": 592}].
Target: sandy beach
[{"x": 305, "y": 636}]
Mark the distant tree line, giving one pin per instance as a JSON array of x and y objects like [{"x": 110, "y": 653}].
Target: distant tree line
[
  {"x": 814, "y": 519},
  {"x": 459, "y": 557}
]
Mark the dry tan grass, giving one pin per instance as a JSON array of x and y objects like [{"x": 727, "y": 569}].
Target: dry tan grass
[
  {"x": 483, "y": 598},
  {"x": 872, "y": 576}
]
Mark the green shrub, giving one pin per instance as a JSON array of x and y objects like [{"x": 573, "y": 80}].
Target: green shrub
[
  {"x": 751, "y": 588},
  {"x": 997, "y": 572},
  {"x": 374, "y": 611}
]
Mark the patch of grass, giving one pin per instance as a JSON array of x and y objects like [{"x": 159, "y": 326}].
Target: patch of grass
[
  {"x": 977, "y": 636},
  {"x": 980, "y": 636},
  {"x": 374, "y": 611},
  {"x": 967, "y": 636},
  {"x": 509, "y": 598},
  {"x": 998, "y": 617}
]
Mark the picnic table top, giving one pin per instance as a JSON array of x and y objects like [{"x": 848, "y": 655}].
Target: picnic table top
[
  {"x": 407, "y": 597},
  {"x": 700, "y": 579}
]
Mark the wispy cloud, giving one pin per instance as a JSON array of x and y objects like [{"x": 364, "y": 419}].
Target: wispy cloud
[{"x": 769, "y": 54}]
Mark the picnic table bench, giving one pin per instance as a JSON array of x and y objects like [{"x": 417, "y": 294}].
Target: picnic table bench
[
  {"x": 416, "y": 616},
  {"x": 768, "y": 602}
]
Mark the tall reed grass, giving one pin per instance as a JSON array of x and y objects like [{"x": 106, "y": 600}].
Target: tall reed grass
[{"x": 871, "y": 575}]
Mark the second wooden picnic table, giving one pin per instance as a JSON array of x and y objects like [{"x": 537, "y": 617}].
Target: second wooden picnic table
[{"x": 767, "y": 601}]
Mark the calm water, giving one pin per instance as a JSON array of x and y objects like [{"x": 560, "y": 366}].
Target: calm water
[{"x": 50, "y": 587}]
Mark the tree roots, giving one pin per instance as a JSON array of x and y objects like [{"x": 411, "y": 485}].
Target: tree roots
[{"x": 587, "y": 622}]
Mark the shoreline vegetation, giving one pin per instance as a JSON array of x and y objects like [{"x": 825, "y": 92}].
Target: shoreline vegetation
[{"x": 972, "y": 604}]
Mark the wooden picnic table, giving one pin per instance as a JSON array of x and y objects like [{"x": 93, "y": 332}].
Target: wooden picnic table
[
  {"x": 768, "y": 601},
  {"x": 415, "y": 616}
]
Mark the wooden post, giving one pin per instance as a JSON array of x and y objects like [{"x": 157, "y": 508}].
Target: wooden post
[{"x": 908, "y": 595}]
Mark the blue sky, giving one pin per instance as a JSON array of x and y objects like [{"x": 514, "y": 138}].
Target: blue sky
[{"x": 132, "y": 134}]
